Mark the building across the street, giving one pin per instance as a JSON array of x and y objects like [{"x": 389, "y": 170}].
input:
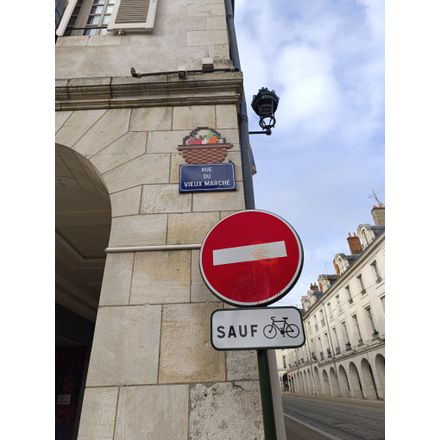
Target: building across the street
[{"x": 344, "y": 322}]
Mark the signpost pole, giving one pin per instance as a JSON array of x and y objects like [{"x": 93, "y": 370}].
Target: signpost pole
[{"x": 270, "y": 432}]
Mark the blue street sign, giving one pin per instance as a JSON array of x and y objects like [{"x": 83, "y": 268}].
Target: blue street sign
[{"x": 207, "y": 177}]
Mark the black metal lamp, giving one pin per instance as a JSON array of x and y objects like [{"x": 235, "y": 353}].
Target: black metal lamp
[{"x": 265, "y": 104}]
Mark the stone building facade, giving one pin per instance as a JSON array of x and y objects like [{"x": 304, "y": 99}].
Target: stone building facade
[
  {"x": 344, "y": 321},
  {"x": 134, "y": 359}
]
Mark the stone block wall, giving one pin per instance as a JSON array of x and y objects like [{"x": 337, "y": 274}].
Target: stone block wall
[
  {"x": 153, "y": 373},
  {"x": 185, "y": 31}
]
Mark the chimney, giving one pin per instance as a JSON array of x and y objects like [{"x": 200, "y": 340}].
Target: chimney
[
  {"x": 336, "y": 266},
  {"x": 354, "y": 244},
  {"x": 378, "y": 213},
  {"x": 314, "y": 287}
]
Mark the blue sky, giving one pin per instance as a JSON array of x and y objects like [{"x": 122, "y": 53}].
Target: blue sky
[{"x": 325, "y": 60}]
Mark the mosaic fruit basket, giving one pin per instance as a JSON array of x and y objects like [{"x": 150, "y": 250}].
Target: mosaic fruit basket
[{"x": 204, "y": 145}]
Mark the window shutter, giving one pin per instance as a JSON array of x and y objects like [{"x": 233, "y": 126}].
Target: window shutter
[
  {"x": 133, "y": 15},
  {"x": 66, "y": 17}
]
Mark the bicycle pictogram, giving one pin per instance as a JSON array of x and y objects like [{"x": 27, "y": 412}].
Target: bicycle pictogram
[{"x": 271, "y": 330}]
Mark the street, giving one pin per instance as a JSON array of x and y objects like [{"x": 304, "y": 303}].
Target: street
[{"x": 323, "y": 418}]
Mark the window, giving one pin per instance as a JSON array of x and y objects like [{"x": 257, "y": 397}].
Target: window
[
  {"x": 358, "y": 330},
  {"x": 90, "y": 17},
  {"x": 329, "y": 353},
  {"x": 321, "y": 314},
  {"x": 376, "y": 272},
  {"x": 329, "y": 307},
  {"x": 361, "y": 283},
  {"x": 335, "y": 335},
  {"x": 347, "y": 340},
  {"x": 339, "y": 304},
  {"x": 60, "y": 5},
  {"x": 348, "y": 293},
  {"x": 94, "y": 17},
  {"x": 371, "y": 320},
  {"x": 284, "y": 362}
]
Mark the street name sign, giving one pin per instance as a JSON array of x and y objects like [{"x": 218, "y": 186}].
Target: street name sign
[
  {"x": 251, "y": 258},
  {"x": 257, "y": 328},
  {"x": 207, "y": 177}
]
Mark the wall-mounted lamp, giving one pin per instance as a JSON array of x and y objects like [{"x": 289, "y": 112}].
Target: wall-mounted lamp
[{"x": 265, "y": 104}]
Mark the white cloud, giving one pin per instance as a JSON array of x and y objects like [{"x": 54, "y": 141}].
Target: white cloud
[
  {"x": 310, "y": 97},
  {"x": 325, "y": 59}
]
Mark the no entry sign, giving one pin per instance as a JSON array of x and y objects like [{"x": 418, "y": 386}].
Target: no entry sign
[{"x": 251, "y": 258}]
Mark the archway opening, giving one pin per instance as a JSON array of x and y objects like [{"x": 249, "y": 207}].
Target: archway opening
[
  {"x": 368, "y": 380},
  {"x": 303, "y": 383},
  {"x": 325, "y": 383},
  {"x": 380, "y": 369},
  {"x": 285, "y": 382},
  {"x": 343, "y": 382},
  {"x": 317, "y": 381},
  {"x": 310, "y": 379},
  {"x": 335, "y": 390},
  {"x": 355, "y": 382},
  {"x": 82, "y": 230}
]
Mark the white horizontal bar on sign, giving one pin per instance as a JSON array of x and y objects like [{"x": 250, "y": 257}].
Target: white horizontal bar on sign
[{"x": 253, "y": 252}]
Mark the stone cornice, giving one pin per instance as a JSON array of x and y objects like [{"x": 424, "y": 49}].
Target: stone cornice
[{"x": 149, "y": 91}]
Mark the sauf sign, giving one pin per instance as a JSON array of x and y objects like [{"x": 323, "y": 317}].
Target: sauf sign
[
  {"x": 249, "y": 329},
  {"x": 248, "y": 259}
]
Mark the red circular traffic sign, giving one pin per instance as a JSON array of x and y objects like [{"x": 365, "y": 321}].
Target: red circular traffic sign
[{"x": 251, "y": 258}]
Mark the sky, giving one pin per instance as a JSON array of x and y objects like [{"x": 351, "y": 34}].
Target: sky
[{"x": 325, "y": 60}]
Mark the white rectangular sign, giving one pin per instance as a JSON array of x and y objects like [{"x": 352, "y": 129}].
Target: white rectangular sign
[
  {"x": 253, "y": 252},
  {"x": 257, "y": 328}
]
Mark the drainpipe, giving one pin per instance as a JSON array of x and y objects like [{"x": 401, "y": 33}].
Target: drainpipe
[
  {"x": 273, "y": 419},
  {"x": 242, "y": 116}
]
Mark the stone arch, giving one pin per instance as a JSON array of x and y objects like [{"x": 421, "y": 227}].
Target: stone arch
[
  {"x": 354, "y": 380},
  {"x": 285, "y": 382},
  {"x": 306, "y": 385},
  {"x": 334, "y": 383},
  {"x": 325, "y": 384},
  {"x": 380, "y": 371},
  {"x": 343, "y": 382},
  {"x": 369, "y": 384},
  {"x": 317, "y": 381},
  {"x": 82, "y": 232},
  {"x": 300, "y": 383},
  {"x": 309, "y": 376},
  {"x": 303, "y": 384}
]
